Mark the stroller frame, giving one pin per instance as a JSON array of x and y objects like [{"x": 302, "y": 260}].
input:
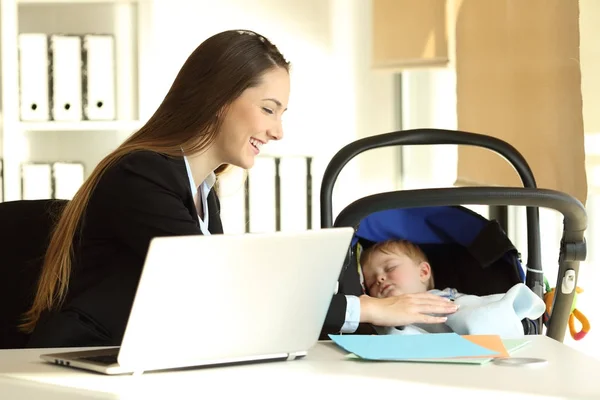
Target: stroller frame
[{"x": 573, "y": 246}]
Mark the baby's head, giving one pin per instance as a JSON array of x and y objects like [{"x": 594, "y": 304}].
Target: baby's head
[{"x": 395, "y": 267}]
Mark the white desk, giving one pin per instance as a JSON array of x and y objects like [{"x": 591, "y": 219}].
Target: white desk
[{"x": 324, "y": 374}]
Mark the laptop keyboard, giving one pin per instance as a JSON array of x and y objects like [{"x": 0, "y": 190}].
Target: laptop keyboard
[{"x": 107, "y": 359}]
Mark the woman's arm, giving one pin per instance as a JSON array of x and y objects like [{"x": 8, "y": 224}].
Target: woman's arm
[
  {"x": 346, "y": 312},
  {"x": 336, "y": 314},
  {"x": 406, "y": 309},
  {"x": 352, "y": 316}
]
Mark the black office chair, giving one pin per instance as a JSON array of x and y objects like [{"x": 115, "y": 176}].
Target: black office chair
[{"x": 25, "y": 228}]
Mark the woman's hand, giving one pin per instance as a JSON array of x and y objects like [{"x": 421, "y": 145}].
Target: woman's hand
[{"x": 405, "y": 309}]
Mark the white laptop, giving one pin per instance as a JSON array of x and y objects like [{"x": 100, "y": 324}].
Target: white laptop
[{"x": 209, "y": 300}]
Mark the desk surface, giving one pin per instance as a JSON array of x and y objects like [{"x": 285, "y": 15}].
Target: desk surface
[{"x": 325, "y": 372}]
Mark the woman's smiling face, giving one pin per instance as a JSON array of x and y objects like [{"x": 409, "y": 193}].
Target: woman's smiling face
[{"x": 253, "y": 119}]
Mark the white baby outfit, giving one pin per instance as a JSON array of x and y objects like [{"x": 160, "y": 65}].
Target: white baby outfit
[{"x": 496, "y": 314}]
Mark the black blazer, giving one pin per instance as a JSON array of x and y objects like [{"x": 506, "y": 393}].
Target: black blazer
[
  {"x": 349, "y": 284},
  {"x": 336, "y": 316},
  {"x": 142, "y": 196}
]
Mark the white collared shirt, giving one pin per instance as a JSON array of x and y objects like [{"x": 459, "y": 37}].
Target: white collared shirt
[{"x": 201, "y": 192}]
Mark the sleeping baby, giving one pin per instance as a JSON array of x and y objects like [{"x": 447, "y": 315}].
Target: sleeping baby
[{"x": 397, "y": 267}]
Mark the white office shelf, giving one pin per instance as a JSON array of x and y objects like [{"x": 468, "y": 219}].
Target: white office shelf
[
  {"x": 79, "y": 126},
  {"x": 88, "y": 142}
]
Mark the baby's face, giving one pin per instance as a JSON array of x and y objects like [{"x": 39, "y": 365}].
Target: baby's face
[{"x": 389, "y": 275}]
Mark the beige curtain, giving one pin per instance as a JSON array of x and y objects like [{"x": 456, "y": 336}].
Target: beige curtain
[
  {"x": 519, "y": 79},
  {"x": 409, "y": 33}
]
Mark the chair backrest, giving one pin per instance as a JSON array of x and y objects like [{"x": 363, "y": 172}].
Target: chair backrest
[{"x": 25, "y": 228}]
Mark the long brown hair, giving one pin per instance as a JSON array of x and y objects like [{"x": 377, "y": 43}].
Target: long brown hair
[{"x": 214, "y": 75}]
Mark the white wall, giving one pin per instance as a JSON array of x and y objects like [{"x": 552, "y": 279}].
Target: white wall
[
  {"x": 376, "y": 99},
  {"x": 429, "y": 101},
  {"x": 335, "y": 98}
]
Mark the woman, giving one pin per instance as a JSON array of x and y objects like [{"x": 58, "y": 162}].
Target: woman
[{"x": 225, "y": 103}]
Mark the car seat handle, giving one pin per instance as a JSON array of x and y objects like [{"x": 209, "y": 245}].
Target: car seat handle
[{"x": 424, "y": 136}]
